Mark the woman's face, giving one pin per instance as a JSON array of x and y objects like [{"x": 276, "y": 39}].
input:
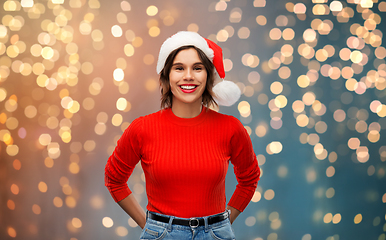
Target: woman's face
[{"x": 187, "y": 77}]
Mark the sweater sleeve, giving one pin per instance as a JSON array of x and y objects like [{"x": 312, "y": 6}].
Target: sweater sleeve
[
  {"x": 246, "y": 168},
  {"x": 122, "y": 161}
]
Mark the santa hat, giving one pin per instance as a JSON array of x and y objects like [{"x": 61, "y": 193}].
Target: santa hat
[{"x": 226, "y": 92}]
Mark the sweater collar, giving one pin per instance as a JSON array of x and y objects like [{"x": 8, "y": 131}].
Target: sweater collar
[{"x": 185, "y": 121}]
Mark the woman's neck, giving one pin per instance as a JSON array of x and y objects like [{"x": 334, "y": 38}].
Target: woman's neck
[{"x": 186, "y": 110}]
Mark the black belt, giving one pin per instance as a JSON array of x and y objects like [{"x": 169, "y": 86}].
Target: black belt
[{"x": 192, "y": 222}]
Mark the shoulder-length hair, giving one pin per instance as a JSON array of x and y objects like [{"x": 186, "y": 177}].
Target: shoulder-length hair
[{"x": 166, "y": 93}]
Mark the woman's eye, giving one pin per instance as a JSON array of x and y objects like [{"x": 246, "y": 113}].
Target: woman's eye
[
  {"x": 178, "y": 68},
  {"x": 198, "y": 68}
]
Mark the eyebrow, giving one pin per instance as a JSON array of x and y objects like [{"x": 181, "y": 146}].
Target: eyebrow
[{"x": 179, "y": 63}]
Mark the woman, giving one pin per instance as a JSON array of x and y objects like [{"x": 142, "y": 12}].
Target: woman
[{"x": 185, "y": 149}]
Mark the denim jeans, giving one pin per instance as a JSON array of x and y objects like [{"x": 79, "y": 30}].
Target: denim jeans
[{"x": 158, "y": 230}]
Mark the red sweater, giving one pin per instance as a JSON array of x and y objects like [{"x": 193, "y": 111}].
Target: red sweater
[{"x": 185, "y": 161}]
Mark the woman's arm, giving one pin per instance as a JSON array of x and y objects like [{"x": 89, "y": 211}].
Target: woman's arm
[
  {"x": 234, "y": 213},
  {"x": 119, "y": 168},
  {"x": 131, "y": 206},
  {"x": 245, "y": 167}
]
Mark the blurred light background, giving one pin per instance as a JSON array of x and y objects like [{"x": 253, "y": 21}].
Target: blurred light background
[{"x": 75, "y": 73}]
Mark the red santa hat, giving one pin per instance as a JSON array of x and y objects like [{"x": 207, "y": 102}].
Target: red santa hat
[{"x": 226, "y": 92}]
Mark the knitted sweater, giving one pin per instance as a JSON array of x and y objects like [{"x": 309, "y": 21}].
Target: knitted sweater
[{"x": 185, "y": 161}]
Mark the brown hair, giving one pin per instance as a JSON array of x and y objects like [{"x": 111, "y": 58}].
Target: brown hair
[{"x": 166, "y": 93}]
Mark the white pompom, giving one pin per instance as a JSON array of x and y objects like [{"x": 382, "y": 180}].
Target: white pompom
[{"x": 227, "y": 93}]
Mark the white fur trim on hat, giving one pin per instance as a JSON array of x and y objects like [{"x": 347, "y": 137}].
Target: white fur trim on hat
[{"x": 183, "y": 38}]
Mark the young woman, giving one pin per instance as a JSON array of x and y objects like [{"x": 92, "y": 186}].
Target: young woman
[{"x": 185, "y": 149}]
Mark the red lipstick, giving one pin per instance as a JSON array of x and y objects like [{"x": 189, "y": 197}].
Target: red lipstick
[{"x": 188, "y": 88}]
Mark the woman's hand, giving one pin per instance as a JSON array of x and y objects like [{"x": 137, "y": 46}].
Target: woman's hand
[
  {"x": 135, "y": 211},
  {"x": 234, "y": 213}
]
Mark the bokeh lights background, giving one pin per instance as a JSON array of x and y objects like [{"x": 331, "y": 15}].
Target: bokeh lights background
[{"x": 75, "y": 73}]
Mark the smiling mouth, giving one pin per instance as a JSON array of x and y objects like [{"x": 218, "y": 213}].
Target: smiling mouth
[{"x": 188, "y": 87}]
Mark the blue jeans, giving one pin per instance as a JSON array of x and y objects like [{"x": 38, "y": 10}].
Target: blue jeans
[{"x": 158, "y": 230}]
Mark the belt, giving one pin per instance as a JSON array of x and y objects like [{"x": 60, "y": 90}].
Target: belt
[{"x": 192, "y": 222}]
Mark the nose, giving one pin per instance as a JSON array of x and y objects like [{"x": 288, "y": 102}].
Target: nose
[{"x": 188, "y": 74}]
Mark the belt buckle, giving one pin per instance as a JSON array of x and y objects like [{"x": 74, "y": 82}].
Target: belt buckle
[{"x": 193, "y": 219}]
